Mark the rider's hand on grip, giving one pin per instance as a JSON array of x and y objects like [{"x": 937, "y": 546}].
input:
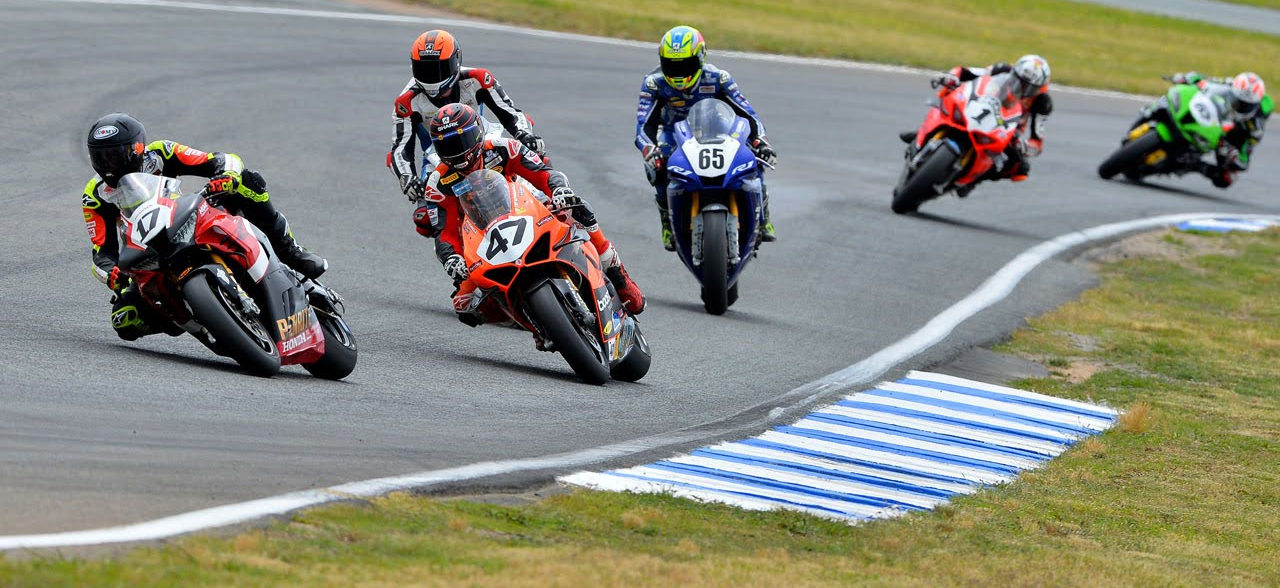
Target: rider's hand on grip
[
  {"x": 412, "y": 188},
  {"x": 764, "y": 151},
  {"x": 945, "y": 80},
  {"x": 532, "y": 141},
  {"x": 456, "y": 267},
  {"x": 652, "y": 157},
  {"x": 117, "y": 280},
  {"x": 564, "y": 197},
  {"x": 224, "y": 183}
]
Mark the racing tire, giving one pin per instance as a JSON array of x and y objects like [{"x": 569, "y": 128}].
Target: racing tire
[
  {"x": 919, "y": 188},
  {"x": 239, "y": 337},
  {"x": 1127, "y": 158},
  {"x": 636, "y": 363},
  {"x": 582, "y": 355},
  {"x": 715, "y": 262},
  {"x": 339, "y": 349}
]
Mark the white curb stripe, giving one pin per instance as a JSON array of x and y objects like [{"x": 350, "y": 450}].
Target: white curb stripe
[
  {"x": 988, "y": 437},
  {"x": 1065, "y": 402},
  {"x": 968, "y": 416},
  {"x": 1040, "y": 414},
  {"x": 804, "y": 460}
]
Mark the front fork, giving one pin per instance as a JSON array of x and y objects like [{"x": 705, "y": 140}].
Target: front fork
[{"x": 730, "y": 228}]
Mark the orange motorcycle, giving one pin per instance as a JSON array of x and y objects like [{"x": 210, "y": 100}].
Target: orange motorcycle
[{"x": 540, "y": 268}]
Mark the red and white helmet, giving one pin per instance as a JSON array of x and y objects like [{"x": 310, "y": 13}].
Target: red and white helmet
[
  {"x": 1247, "y": 91},
  {"x": 1033, "y": 70}
]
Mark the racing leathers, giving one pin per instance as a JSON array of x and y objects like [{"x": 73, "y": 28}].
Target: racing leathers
[
  {"x": 1036, "y": 109},
  {"x": 440, "y": 216},
  {"x": 231, "y": 186},
  {"x": 476, "y": 88},
  {"x": 662, "y": 106},
  {"x": 1242, "y": 132}
]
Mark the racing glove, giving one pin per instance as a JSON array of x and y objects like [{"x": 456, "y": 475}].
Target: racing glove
[
  {"x": 652, "y": 157},
  {"x": 1000, "y": 67},
  {"x": 532, "y": 141},
  {"x": 412, "y": 188},
  {"x": 227, "y": 182},
  {"x": 117, "y": 280},
  {"x": 764, "y": 151},
  {"x": 456, "y": 267},
  {"x": 564, "y": 197},
  {"x": 946, "y": 80}
]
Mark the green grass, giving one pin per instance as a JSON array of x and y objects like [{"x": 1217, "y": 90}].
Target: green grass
[
  {"x": 1185, "y": 490},
  {"x": 1086, "y": 45}
]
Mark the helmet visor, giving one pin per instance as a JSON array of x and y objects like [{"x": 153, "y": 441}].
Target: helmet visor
[
  {"x": 1243, "y": 108},
  {"x": 434, "y": 71},
  {"x": 113, "y": 161},
  {"x": 458, "y": 147},
  {"x": 681, "y": 68}
]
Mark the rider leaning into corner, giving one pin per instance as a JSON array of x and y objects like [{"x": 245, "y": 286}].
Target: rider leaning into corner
[
  {"x": 118, "y": 146},
  {"x": 439, "y": 79},
  {"x": 682, "y": 79},
  {"x": 1031, "y": 84},
  {"x": 1248, "y": 107},
  {"x": 458, "y": 134}
]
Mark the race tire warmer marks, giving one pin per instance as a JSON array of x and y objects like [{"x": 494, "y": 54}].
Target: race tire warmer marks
[{"x": 901, "y": 446}]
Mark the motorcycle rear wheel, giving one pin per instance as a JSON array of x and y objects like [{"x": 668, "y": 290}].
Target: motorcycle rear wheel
[
  {"x": 339, "y": 349},
  {"x": 1127, "y": 158},
  {"x": 919, "y": 188},
  {"x": 239, "y": 337},
  {"x": 715, "y": 262},
  {"x": 582, "y": 355}
]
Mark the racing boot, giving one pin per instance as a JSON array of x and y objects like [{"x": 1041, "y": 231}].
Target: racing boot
[
  {"x": 767, "y": 235},
  {"x": 292, "y": 254},
  {"x": 628, "y": 291},
  {"x": 668, "y": 237},
  {"x": 907, "y": 136}
]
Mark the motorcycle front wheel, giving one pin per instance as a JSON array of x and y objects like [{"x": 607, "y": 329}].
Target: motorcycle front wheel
[
  {"x": 580, "y": 349},
  {"x": 240, "y": 337},
  {"x": 923, "y": 185},
  {"x": 715, "y": 262},
  {"x": 1129, "y": 156},
  {"x": 339, "y": 349}
]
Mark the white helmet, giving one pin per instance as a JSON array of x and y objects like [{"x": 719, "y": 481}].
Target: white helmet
[
  {"x": 1247, "y": 91},
  {"x": 1033, "y": 70}
]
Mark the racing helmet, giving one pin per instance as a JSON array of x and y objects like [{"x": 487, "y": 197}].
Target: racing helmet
[
  {"x": 436, "y": 61},
  {"x": 682, "y": 54},
  {"x": 457, "y": 133},
  {"x": 1033, "y": 71},
  {"x": 116, "y": 143},
  {"x": 1247, "y": 91}
]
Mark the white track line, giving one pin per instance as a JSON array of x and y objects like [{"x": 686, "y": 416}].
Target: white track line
[
  {"x": 995, "y": 289},
  {"x": 489, "y": 26}
]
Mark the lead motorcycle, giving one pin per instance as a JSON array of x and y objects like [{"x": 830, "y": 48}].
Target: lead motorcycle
[
  {"x": 1171, "y": 136},
  {"x": 541, "y": 270},
  {"x": 964, "y": 136},
  {"x": 215, "y": 275},
  {"x": 715, "y": 199}
]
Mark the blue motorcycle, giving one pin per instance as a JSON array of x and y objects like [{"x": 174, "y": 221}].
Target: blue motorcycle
[{"x": 714, "y": 195}]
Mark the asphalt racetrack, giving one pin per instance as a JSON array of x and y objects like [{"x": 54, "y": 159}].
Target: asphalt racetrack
[{"x": 96, "y": 432}]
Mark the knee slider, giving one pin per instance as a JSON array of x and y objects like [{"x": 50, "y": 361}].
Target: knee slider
[{"x": 426, "y": 219}]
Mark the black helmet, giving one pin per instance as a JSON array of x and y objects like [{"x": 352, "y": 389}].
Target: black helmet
[
  {"x": 457, "y": 133},
  {"x": 116, "y": 142}
]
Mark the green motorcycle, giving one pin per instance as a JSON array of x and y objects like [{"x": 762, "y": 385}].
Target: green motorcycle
[{"x": 1171, "y": 136}]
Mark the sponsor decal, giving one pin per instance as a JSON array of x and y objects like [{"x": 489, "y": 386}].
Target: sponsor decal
[
  {"x": 451, "y": 178},
  {"x": 105, "y": 132},
  {"x": 541, "y": 221},
  {"x": 602, "y": 302},
  {"x": 677, "y": 102},
  {"x": 295, "y": 324},
  {"x": 707, "y": 89},
  {"x": 89, "y": 201},
  {"x": 296, "y": 342}
]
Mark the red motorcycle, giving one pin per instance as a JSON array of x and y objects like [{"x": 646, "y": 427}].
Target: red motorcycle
[
  {"x": 215, "y": 275},
  {"x": 963, "y": 137}
]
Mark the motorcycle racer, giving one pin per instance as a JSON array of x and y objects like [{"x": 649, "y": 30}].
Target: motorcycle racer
[
  {"x": 118, "y": 146},
  {"x": 458, "y": 134},
  {"x": 682, "y": 78},
  {"x": 440, "y": 79},
  {"x": 1249, "y": 107},
  {"x": 1031, "y": 84}
]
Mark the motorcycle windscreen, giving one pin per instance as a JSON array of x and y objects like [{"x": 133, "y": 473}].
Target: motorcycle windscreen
[
  {"x": 1005, "y": 87},
  {"x": 485, "y": 196},
  {"x": 138, "y": 187},
  {"x": 711, "y": 119}
]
